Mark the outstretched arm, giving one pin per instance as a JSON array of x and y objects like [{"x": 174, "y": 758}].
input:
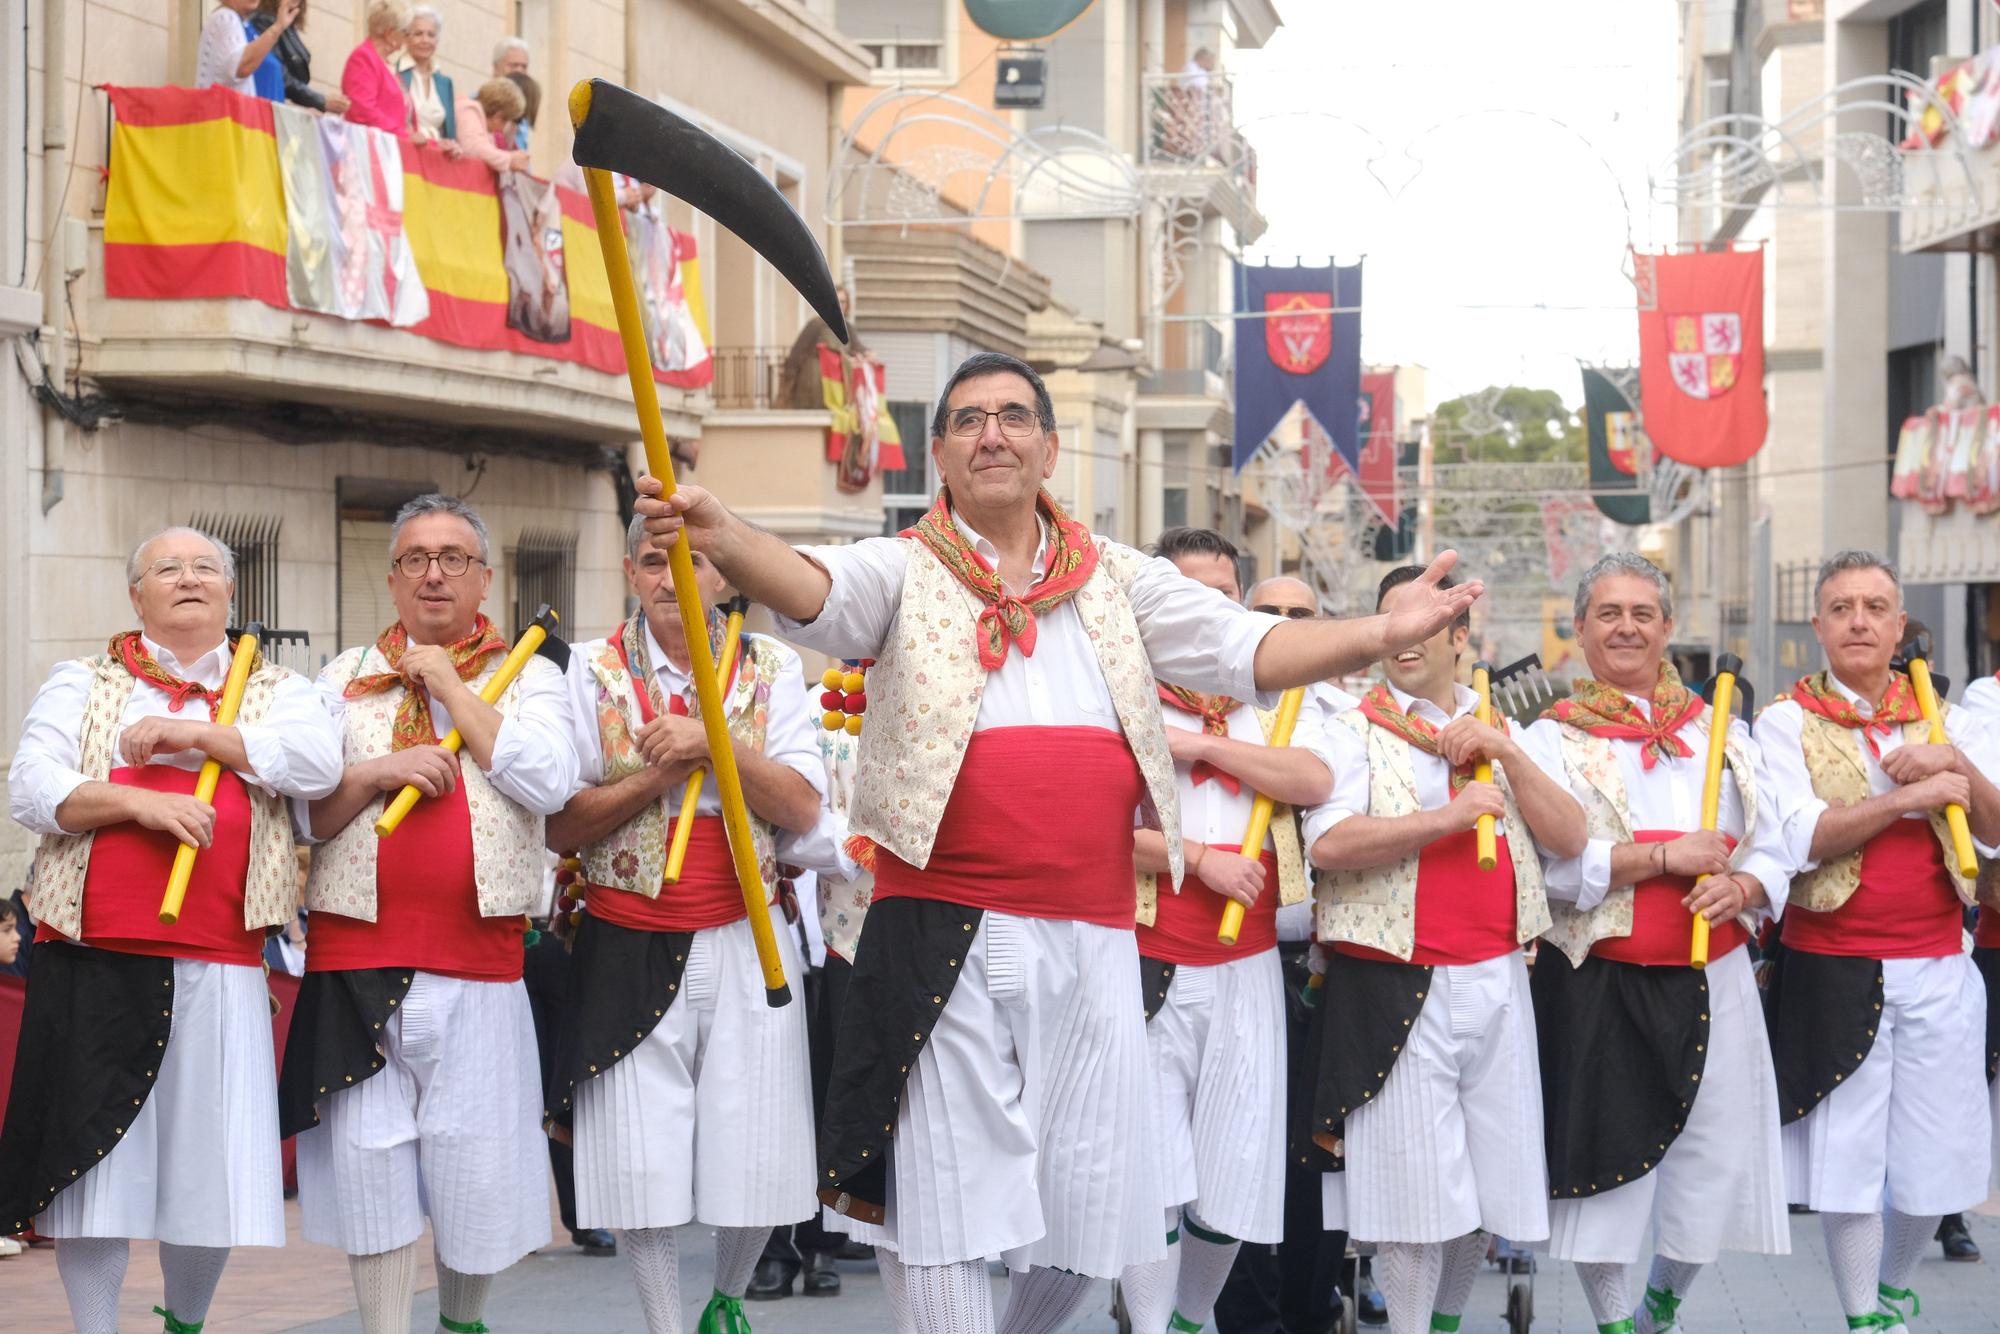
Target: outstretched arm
[
  {"x": 1297, "y": 653},
  {"x": 757, "y": 564}
]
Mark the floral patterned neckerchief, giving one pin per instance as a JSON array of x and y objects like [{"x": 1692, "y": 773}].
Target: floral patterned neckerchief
[
  {"x": 1007, "y": 620},
  {"x": 630, "y": 644},
  {"x": 1818, "y": 694},
  {"x": 413, "y": 713},
  {"x": 1379, "y": 707},
  {"x": 129, "y": 650},
  {"x": 1606, "y": 711}
]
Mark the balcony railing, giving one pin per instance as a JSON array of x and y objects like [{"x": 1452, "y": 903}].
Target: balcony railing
[
  {"x": 1191, "y": 123},
  {"x": 752, "y": 379}
]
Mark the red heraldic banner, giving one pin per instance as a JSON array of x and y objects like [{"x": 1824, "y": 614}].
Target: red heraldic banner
[{"x": 1701, "y": 355}]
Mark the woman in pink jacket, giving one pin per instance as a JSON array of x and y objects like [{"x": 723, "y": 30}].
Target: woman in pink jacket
[
  {"x": 374, "y": 94},
  {"x": 486, "y": 122}
]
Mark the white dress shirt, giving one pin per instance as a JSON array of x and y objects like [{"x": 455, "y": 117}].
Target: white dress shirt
[
  {"x": 1668, "y": 796},
  {"x": 788, "y": 729},
  {"x": 1194, "y": 635},
  {"x": 534, "y": 757},
  {"x": 1210, "y": 812},
  {"x": 1351, "y": 782},
  {"x": 293, "y": 752},
  {"x": 1782, "y": 770}
]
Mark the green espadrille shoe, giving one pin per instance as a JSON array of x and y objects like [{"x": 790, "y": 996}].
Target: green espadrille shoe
[
  {"x": 723, "y": 1315},
  {"x": 174, "y": 1326},
  {"x": 463, "y": 1326}
]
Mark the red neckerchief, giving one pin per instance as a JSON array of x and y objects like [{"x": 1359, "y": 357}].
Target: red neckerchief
[
  {"x": 1214, "y": 711},
  {"x": 413, "y": 713},
  {"x": 1007, "y": 620},
  {"x": 129, "y": 650},
  {"x": 1898, "y": 704},
  {"x": 1607, "y": 711},
  {"x": 630, "y": 645},
  {"x": 1378, "y": 706}
]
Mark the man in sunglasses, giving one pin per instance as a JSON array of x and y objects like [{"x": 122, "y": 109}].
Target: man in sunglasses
[
  {"x": 411, "y": 1075},
  {"x": 143, "y": 1104},
  {"x": 990, "y": 1078}
]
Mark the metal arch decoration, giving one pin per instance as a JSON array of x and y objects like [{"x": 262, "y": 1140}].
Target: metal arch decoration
[
  {"x": 1743, "y": 161},
  {"x": 1049, "y": 173}
]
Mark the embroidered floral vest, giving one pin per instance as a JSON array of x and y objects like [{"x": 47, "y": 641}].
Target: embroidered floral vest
[
  {"x": 1377, "y": 907},
  {"x": 1833, "y": 759},
  {"x": 1284, "y": 840},
  {"x": 634, "y": 855},
  {"x": 506, "y": 837},
  {"x": 1592, "y": 767},
  {"x": 270, "y": 894},
  {"x": 925, "y": 688}
]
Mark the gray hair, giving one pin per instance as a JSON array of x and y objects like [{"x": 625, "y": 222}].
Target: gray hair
[
  {"x": 134, "y": 571},
  {"x": 427, "y": 12},
  {"x": 437, "y": 503},
  {"x": 636, "y": 536},
  {"x": 1853, "y": 558},
  {"x": 1627, "y": 563},
  {"x": 506, "y": 44}
]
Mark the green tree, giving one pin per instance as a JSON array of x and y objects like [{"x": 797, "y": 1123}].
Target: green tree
[{"x": 1509, "y": 424}]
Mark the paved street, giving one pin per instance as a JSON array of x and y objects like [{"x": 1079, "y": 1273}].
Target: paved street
[{"x": 559, "y": 1291}]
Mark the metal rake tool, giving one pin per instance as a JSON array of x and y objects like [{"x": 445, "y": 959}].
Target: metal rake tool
[{"x": 1522, "y": 688}]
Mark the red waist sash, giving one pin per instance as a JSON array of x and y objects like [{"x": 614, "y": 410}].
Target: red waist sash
[
  {"x": 129, "y": 867},
  {"x": 426, "y": 906},
  {"x": 1039, "y": 824},
  {"x": 1905, "y": 907},
  {"x": 1183, "y": 930},
  {"x": 706, "y": 894},
  {"x": 1464, "y": 914},
  {"x": 1986, "y": 933},
  {"x": 1662, "y": 930}
]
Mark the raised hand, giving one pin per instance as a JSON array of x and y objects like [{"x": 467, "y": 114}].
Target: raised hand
[
  {"x": 690, "y": 508},
  {"x": 1424, "y": 608}
]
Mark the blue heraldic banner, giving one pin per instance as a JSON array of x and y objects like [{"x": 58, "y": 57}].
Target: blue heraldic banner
[{"x": 1300, "y": 344}]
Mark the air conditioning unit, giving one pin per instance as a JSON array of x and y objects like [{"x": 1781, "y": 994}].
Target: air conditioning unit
[{"x": 1020, "y": 77}]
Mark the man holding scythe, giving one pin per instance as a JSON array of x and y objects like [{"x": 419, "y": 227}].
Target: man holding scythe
[{"x": 990, "y": 1076}]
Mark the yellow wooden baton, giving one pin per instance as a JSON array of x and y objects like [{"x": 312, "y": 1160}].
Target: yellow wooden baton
[
  {"x": 1482, "y": 685},
  {"x": 1954, "y": 814},
  {"x": 1260, "y": 810},
  {"x": 660, "y": 463},
  {"x": 496, "y": 685},
  {"x": 677, "y": 847},
  {"x": 211, "y": 770},
  {"x": 1722, "y": 700}
]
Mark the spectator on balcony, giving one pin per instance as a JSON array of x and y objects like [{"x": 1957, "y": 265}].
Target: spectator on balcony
[
  {"x": 531, "y": 94},
  {"x": 433, "y": 104},
  {"x": 510, "y": 57},
  {"x": 295, "y": 59},
  {"x": 228, "y": 56},
  {"x": 374, "y": 95},
  {"x": 486, "y": 125}
]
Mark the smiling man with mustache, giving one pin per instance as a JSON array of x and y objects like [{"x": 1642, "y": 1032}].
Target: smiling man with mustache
[
  {"x": 989, "y": 1080},
  {"x": 167, "y": 1128},
  {"x": 1881, "y": 1016},
  {"x": 1657, "y": 1090}
]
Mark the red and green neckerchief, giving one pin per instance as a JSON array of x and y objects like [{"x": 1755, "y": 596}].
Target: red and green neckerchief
[
  {"x": 1379, "y": 707},
  {"x": 413, "y": 713},
  {"x": 1007, "y": 620},
  {"x": 1214, "y": 711},
  {"x": 1606, "y": 711},
  {"x": 1898, "y": 705},
  {"x": 129, "y": 650},
  {"x": 630, "y": 645}
]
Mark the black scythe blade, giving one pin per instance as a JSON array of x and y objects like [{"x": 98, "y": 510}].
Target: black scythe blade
[{"x": 624, "y": 132}]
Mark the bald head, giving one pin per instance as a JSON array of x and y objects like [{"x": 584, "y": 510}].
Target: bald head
[{"x": 1284, "y": 596}]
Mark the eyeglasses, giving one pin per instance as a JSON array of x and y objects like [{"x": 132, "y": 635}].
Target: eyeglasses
[
  {"x": 169, "y": 570},
  {"x": 1289, "y": 613},
  {"x": 452, "y": 561},
  {"x": 1016, "y": 423}
]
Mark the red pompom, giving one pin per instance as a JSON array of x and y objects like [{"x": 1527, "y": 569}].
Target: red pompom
[
  {"x": 856, "y": 703},
  {"x": 830, "y": 700}
]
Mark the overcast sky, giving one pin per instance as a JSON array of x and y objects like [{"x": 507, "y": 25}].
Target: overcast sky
[{"x": 1444, "y": 169}]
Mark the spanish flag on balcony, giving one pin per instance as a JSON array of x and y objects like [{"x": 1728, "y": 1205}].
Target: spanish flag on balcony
[
  {"x": 197, "y": 207},
  {"x": 862, "y": 436}
]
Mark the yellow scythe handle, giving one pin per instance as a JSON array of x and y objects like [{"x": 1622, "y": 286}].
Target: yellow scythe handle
[
  {"x": 677, "y": 849},
  {"x": 1711, "y": 792},
  {"x": 1482, "y": 685},
  {"x": 496, "y": 685},
  {"x": 646, "y": 398},
  {"x": 1260, "y": 810},
  {"x": 211, "y": 773},
  {"x": 1954, "y": 814}
]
